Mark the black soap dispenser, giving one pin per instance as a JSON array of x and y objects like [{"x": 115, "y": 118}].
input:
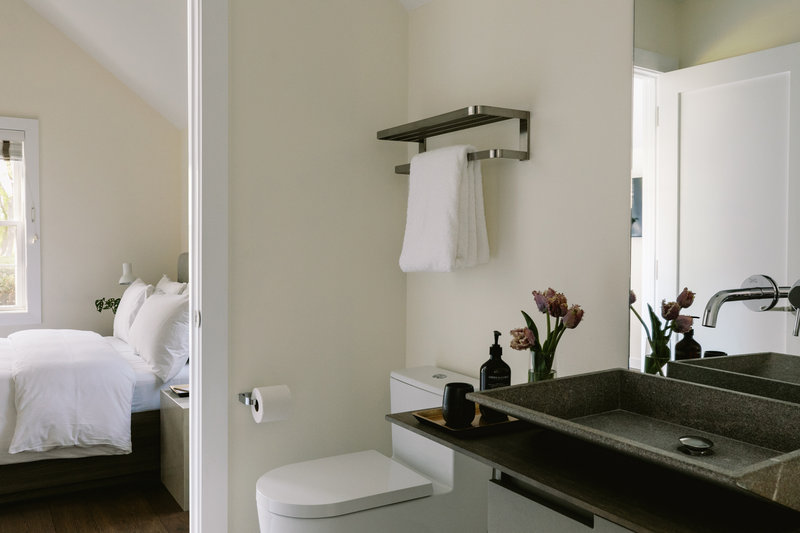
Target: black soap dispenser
[
  {"x": 494, "y": 373},
  {"x": 687, "y": 347}
]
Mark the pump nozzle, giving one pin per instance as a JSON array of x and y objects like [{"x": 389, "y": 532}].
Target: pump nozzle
[{"x": 496, "y": 349}]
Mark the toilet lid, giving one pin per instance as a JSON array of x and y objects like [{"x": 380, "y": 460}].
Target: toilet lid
[{"x": 338, "y": 485}]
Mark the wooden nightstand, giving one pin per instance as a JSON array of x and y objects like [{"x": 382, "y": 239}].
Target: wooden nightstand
[{"x": 175, "y": 446}]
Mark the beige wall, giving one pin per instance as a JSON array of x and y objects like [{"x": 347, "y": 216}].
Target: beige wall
[
  {"x": 717, "y": 29},
  {"x": 110, "y": 171},
  {"x": 561, "y": 219},
  {"x": 656, "y": 27},
  {"x": 316, "y": 222},
  {"x": 699, "y": 31}
]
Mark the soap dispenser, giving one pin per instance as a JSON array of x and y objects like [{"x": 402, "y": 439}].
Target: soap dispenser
[
  {"x": 494, "y": 373},
  {"x": 687, "y": 347}
]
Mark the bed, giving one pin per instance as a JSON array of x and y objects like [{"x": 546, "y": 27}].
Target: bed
[{"x": 139, "y": 349}]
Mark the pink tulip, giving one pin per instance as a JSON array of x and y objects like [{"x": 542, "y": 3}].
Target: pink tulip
[
  {"x": 670, "y": 310},
  {"x": 573, "y": 317},
  {"x": 685, "y": 298},
  {"x": 682, "y": 324},
  {"x": 522, "y": 339},
  {"x": 557, "y": 304},
  {"x": 541, "y": 301}
]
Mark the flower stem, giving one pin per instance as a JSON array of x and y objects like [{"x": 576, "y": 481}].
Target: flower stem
[{"x": 649, "y": 338}]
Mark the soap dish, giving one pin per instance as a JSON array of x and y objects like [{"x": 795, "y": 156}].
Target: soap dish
[{"x": 478, "y": 427}]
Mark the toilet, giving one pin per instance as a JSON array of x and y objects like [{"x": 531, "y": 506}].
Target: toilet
[{"x": 423, "y": 487}]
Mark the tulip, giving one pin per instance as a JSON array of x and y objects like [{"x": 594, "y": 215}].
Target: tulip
[
  {"x": 573, "y": 317},
  {"x": 670, "y": 310},
  {"x": 557, "y": 305},
  {"x": 685, "y": 298},
  {"x": 632, "y": 298},
  {"x": 541, "y": 301},
  {"x": 521, "y": 339},
  {"x": 682, "y": 324}
]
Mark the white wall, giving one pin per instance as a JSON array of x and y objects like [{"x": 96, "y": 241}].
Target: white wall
[
  {"x": 561, "y": 219},
  {"x": 110, "y": 171},
  {"x": 316, "y": 219}
]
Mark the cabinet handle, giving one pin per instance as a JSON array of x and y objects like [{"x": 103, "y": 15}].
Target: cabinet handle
[{"x": 554, "y": 503}]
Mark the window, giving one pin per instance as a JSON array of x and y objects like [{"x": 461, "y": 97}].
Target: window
[{"x": 20, "y": 275}]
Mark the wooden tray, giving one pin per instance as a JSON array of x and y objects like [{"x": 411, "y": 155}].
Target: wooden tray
[{"x": 479, "y": 426}]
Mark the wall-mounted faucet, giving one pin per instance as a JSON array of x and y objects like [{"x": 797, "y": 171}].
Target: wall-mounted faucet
[{"x": 754, "y": 291}]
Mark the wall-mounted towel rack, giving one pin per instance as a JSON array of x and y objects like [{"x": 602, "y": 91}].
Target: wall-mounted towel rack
[{"x": 461, "y": 119}]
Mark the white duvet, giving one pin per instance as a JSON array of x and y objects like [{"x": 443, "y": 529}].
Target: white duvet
[{"x": 71, "y": 389}]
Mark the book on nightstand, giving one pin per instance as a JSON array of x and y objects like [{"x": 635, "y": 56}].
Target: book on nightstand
[{"x": 181, "y": 390}]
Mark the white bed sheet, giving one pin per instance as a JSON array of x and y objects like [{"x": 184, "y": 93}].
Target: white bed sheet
[{"x": 146, "y": 397}]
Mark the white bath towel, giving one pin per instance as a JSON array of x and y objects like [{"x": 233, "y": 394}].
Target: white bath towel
[{"x": 445, "y": 223}]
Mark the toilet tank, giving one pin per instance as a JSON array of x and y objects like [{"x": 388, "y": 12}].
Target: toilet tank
[
  {"x": 421, "y": 387},
  {"x": 413, "y": 389}
]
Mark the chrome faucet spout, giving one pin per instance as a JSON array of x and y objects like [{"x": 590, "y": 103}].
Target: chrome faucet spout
[
  {"x": 758, "y": 287},
  {"x": 732, "y": 295}
]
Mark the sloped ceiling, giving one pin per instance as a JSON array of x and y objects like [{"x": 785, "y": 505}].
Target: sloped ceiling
[{"x": 141, "y": 42}]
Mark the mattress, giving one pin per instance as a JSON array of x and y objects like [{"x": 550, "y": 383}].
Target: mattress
[{"x": 146, "y": 397}]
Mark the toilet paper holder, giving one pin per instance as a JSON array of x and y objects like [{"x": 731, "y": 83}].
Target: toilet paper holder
[{"x": 247, "y": 399}]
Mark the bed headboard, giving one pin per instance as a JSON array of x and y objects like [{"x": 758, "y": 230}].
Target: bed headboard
[{"x": 183, "y": 267}]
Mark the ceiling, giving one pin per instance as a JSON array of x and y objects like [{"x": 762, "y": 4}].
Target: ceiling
[{"x": 141, "y": 42}]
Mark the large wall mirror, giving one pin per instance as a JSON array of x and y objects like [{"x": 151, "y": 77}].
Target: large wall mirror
[{"x": 717, "y": 148}]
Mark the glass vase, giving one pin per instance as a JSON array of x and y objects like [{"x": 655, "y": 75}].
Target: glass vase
[
  {"x": 541, "y": 373},
  {"x": 540, "y": 376},
  {"x": 654, "y": 362}
]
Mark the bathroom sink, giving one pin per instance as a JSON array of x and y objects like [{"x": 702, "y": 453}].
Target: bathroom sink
[
  {"x": 769, "y": 374},
  {"x": 756, "y": 441}
]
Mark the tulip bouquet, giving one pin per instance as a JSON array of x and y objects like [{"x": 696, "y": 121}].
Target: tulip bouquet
[
  {"x": 554, "y": 305},
  {"x": 658, "y": 338}
]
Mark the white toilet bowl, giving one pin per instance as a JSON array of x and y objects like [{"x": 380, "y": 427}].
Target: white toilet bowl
[{"x": 424, "y": 487}]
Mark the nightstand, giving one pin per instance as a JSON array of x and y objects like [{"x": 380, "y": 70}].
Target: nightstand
[{"x": 175, "y": 446}]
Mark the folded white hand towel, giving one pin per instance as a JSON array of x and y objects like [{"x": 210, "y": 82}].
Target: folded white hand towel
[{"x": 445, "y": 224}]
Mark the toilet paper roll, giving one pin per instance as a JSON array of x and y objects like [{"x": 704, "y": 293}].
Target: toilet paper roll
[{"x": 271, "y": 403}]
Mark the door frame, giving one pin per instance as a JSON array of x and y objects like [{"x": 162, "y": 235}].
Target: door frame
[{"x": 207, "y": 22}]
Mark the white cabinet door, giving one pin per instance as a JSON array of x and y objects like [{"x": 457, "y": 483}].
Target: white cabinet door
[{"x": 728, "y": 160}]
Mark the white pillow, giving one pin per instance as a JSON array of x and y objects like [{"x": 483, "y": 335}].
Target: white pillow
[
  {"x": 160, "y": 333},
  {"x": 130, "y": 303},
  {"x": 167, "y": 286}
]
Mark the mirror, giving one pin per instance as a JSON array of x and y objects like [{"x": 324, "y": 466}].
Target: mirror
[{"x": 676, "y": 34}]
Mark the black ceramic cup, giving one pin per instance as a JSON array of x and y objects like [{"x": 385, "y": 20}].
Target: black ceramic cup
[{"x": 458, "y": 412}]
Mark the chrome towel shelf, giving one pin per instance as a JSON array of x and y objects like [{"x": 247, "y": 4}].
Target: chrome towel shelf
[{"x": 461, "y": 119}]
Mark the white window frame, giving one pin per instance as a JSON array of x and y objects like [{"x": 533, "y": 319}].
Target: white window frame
[{"x": 29, "y": 311}]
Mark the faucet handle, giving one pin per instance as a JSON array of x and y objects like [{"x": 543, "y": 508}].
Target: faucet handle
[{"x": 794, "y": 299}]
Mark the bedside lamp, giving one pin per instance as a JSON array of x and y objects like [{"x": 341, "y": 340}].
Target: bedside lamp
[{"x": 127, "y": 274}]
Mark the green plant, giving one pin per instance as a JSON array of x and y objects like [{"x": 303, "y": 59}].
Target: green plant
[{"x": 107, "y": 303}]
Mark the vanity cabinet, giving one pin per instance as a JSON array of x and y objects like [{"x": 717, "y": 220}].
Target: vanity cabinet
[
  {"x": 548, "y": 482},
  {"x": 513, "y": 507}
]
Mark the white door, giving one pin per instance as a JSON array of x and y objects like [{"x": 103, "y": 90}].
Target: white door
[{"x": 728, "y": 160}]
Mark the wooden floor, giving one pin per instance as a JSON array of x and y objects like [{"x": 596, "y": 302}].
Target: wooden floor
[{"x": 122, "y": 509}]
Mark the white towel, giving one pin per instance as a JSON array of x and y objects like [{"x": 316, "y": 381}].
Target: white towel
[{"x": 445, "y": 223}]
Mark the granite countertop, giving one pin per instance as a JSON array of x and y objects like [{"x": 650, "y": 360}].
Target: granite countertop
[{"x": 635, "y": 494}]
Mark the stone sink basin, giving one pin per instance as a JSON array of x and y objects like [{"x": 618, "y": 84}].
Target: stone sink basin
[
  {"x": 770, "y": 374},
  {"x": 756, "y": 441}
]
